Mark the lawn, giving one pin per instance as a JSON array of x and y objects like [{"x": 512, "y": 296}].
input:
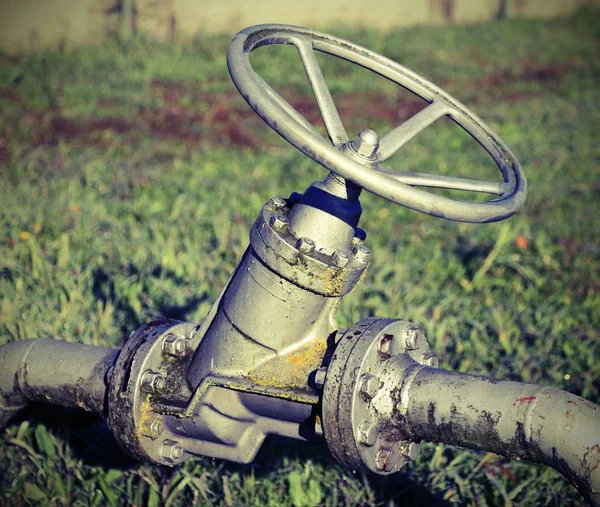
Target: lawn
[{"x": 129, "y": 179}]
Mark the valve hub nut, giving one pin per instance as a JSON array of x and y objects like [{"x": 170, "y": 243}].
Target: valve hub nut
[
  {"x": 305, "y": 245},
  {"x": 279, "y": 222},
  {"x": 367, "y": 434},
  {"x": 369, "y": 385},
  {"x": 174, "y": 346},
  {"x": 276, "y": 203},
  {"x": 153, "y": 427},
  {"x": 153, "y": 382},
  {"x": 171, "y": 451},
  {"x": 386, "y": 460},
  {"x": 366, "y": 143},
  {"x": 340, "y": 259}
]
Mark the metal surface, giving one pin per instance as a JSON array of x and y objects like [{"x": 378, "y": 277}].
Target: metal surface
[{"x": 374, "y": 177}]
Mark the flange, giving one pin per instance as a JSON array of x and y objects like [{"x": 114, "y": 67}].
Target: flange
[
  {"x": 151, "y": 369},
  {"x": 357, "y": 400}
]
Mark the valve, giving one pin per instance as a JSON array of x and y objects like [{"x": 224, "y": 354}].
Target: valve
[{"x": 269, "y": 358}]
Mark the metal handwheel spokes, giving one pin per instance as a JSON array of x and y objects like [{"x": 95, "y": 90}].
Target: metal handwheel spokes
[{"x": 340, "y": 156}]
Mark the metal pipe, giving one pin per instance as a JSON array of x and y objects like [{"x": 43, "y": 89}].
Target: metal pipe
[
  {"x": 510, "y": 418},
  {"x": 53, "y": 371}
]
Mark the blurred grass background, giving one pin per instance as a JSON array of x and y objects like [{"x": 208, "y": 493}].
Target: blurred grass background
[{"x": 131, "y": 174}]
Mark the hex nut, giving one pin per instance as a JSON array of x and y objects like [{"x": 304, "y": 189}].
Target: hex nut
[
  {"x": 276, "y": 203},
  {"x": 152, "y": 427},
  {"x": 368, "y": 385},
  {"x": 412, "y": 338},
  {"x": 171, "y": 451},
  {"x": 366, "y": 143},
  {"x": 306, "y": 245},
  {"x": 339, "y": 258},
  {"x": 320, "y": 375},
  {"x": 430, "y": 360},
  {"x": 367, "y": 434},
  {"x": 362, "y": 254},
  {"x": 152, "y": 381},
  {"x": 384, "y": 347},
  {"x": 386, "y": 460},
  {"x": 174, "y": 346},
  {"x": 279, "y": 222}
]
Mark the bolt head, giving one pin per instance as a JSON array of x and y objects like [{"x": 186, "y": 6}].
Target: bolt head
[
  {"x": 386, "y": 460},
  {"x": 384, "y": 346},
  {"x": 276, "y": 203},
  {"x": 174, "y": 346},
  {"x": 306, "y": 245},
  {"x": 153, "y": 427},
  {"x": 279, "y": 222},
  {"x": 430, "y": 360},
  {"x": 366, "y": 143},
  {"x": 153, "y": 382},
  {"x": 368, "y": 385},
  {"x": 412, "y": 338},
  {"x": 320, "y": 375},
  {"x": 362, "y": 254},
  {"x": 171, "y": 451},
  {"x": 367, "y": 434},
  {"x": 340, "y": 259}
]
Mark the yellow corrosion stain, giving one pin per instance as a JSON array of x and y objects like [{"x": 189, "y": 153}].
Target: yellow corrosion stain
[
  {"x": 292, "y": 370},
  {"x": 145, "y": 414},
  {"x": 309, "y": 357}
]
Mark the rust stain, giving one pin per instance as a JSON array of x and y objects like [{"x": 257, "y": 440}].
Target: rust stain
[{"x": 522, "y": 401}]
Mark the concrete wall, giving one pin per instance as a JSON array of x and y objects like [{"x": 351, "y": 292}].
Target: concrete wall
[{"x": 33, "y": 24}]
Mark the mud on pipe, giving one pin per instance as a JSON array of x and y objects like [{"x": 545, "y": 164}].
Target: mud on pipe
[
  {"x": 55, "y": 372},
  {"x": 514, "y": 419}
]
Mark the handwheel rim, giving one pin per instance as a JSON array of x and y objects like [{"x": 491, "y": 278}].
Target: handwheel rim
[{"x": 296, "y": 130}]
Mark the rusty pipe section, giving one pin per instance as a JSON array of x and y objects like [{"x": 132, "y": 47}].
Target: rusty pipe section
[
  {"x": 53, "y": 371},
  {"x": 510, "y": 418}
]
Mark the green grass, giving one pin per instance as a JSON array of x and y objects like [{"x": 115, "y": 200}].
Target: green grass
[{"x": 126, "y": 195}]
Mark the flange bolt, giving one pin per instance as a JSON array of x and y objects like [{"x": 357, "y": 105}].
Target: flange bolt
[
  {"x": 152, "y": 381},
  {"x": 171, "y": 451},
  {"x": 279, "y": 222},
  {"x": 174, "y": 346},
  {"x": 409, "y": 450},
  {"x": 340, "y": 259},
  {"x": 320, "y": 375},
  {"x": 153, "y": 427},
  {"x": 384, "y": 347},
  {"x": 366, "y": 143},
  {"x": 412, "y": 338},
  {"x": 367, "y": 433},
  {"x": 305, "y": 245},
  {"x": 362, "y": 254},
  {"x": 276, "y": 203},
  {"x": 430, "y": 360},
  {"x": 386, "y": 460},
  {"x": 369, "y": 385}
]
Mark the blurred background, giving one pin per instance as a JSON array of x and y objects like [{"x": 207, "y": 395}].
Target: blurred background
[
  {"x": 131, "y": 172},
  {"x": 33, "y": 24}
]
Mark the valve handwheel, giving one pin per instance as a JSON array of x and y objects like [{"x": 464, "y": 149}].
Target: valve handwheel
[{"x": 359, "y": 160}]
